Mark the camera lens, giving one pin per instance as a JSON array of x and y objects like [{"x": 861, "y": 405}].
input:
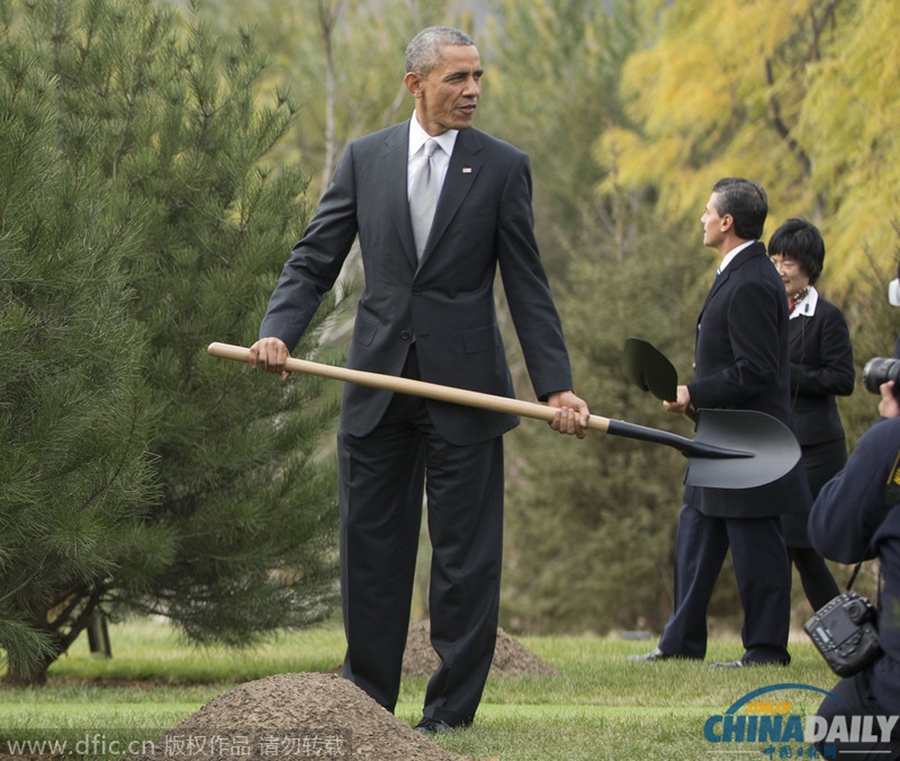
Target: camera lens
[{"x": 880, "y": 370}]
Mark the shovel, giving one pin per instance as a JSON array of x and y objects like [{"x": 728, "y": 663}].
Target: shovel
[
  {"x": 733, "y": 449},
  {"x": 649, "y": 369}
]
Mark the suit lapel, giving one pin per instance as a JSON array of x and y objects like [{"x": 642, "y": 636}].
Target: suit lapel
[
  {"x": 717, "y": 285},
  {"x": 742, "y": 258},
  {"x": 392, "y": 175},
  {"x": 796, "y": 330},
  {"x": 465, "y": 164}
]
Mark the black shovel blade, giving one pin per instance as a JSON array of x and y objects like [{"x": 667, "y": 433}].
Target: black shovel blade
[
  {"x": 770, "y": 446},
  {"x": 733, "y": 449},
  {"x": 649, "y": 369}
]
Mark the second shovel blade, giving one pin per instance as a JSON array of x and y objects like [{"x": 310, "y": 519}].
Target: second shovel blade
[{"x": 649, "y": 369}]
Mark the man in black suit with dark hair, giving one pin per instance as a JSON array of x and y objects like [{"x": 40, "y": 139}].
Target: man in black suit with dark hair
[
  {"x": 741, "y": 363},
  {"x": 427, "y": 312}
]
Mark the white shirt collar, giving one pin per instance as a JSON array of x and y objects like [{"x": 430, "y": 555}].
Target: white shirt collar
[
  {"x": 807, "y": 307},
  {"x": 729, "y": 257},
  {"x": 418, "y": 136}
]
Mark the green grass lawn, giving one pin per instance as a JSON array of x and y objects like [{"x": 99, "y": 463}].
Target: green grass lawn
[{"x": 601, "y": 706}]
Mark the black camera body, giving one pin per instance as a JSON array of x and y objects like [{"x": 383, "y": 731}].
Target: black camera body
[
  {"x": 880, "y": 370},
  {"x": 845, "y": 632}
]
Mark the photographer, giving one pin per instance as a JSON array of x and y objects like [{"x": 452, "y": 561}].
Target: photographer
[{"x": 854, "y": 519}]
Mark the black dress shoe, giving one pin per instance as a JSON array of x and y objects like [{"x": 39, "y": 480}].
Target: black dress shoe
[
  {"x": 741, "y": 664},
  {"x": 654, "y": 655},
  {"x": 432, "y": 727}
]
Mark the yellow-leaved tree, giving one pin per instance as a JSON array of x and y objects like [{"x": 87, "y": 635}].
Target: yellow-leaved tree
[{"x": 799, "y": 96}]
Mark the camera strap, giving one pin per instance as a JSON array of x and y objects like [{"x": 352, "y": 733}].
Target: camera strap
[
  {"x": 853, "y": 576},
  {"x": 878, "y": 583}
]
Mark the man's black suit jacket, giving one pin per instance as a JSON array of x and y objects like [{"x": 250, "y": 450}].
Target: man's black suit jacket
[
  {"x": 445, "y": 303},
  {"x": 741, "y": 362}
]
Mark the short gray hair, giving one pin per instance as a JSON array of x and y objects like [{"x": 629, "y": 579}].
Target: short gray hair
[{"x": 424, "y": 50}]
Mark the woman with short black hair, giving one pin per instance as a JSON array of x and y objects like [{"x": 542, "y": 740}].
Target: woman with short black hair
[{"x": 821, "y": 369}]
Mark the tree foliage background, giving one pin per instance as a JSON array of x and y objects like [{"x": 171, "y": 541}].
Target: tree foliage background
[
  {"x": 160, "y": 136},
  {"x": 795, "y": 95},
  {"x": 143, "y": 221},
  {"x": 630, "y": 110}
]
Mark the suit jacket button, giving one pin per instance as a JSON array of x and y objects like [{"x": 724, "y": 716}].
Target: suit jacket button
[
  {"x": 417, "y": 291},
  {"x": 404, "y": 334}
]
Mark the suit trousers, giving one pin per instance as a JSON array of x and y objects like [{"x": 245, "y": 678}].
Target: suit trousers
[
  {"x": 763, "y": 575},
  {"x": 381, "y": 482}
]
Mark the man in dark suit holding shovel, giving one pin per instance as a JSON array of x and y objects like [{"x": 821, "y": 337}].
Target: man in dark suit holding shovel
[
  {"x": 427, "y": 312},
  {"x": 741, "y": 363}
]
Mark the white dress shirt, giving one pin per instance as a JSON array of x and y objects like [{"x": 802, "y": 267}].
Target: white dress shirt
[{"x": 440, "y": 159}]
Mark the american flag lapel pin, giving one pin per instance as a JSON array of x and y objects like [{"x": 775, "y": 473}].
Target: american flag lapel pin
[{"x": 467, "y": 170}]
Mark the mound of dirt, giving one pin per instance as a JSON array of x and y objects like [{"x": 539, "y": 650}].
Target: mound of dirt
[
  {"x": 296, "y": 715},
  {"x": 511, "y": 659}
]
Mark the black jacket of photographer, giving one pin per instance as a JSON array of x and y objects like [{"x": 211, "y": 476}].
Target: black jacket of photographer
[{"x": 855, "y": 518}]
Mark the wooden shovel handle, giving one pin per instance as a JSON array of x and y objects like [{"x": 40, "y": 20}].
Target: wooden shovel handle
[{"x": 434, "y": 391}]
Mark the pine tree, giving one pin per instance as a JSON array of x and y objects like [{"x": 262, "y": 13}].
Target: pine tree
[
  {"x": 240, "y": 535},
  {"x": 75, "y": 479}
]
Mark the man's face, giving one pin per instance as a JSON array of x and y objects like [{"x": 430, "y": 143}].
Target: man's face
[
  {"x": 714, "y": 226},
  {"x": 447, "y": 97}
]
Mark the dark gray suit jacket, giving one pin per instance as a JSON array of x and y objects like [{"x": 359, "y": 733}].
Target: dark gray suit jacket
[
  {"x": 741, "y": 362},
  {"x": 445, "y": 303}
]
